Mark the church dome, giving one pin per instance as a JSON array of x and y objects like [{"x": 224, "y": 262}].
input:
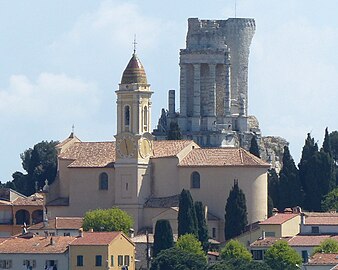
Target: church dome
[{"x": 134, "y": 72}]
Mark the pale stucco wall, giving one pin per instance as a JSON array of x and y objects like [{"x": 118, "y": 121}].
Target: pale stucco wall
[{"x": 291, "y": 227}]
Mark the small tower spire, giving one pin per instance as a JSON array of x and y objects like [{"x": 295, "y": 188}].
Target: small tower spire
[{"x": 134, "y": 43}]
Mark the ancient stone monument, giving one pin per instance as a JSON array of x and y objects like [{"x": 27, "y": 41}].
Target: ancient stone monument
[{"x": 214, "y": 86}]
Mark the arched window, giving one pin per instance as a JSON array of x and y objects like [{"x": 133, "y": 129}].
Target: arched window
[
  {"x": 126, "y": 117},
  {"x": 145, "y": 118},
  {"x": 22, "y": 216},
  {"x": 103, "y": 181},
  {"x": 37, "y": 216},
  {"x": 195, "y": 180}
]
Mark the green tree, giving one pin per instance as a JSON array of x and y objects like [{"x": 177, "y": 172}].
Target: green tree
[
  {"x": 187, "y": 222},
  {"x": 163, "y": 237},
  {"x": 289, "y": 180},
  {"x": 107, "y": 220},
  {"x": 326, "y": 143},
  {"x": 270, "y": 207},
  {"x": 334, "y": 144},
  {"x": 281, "y": 256},
  {"x": 189, "y": 243},
  {"x": 40, "y": 163},
  {"x": 235, "y": 249},
  {"x": 235, "y": 213},
  {"x": 273, "y": 187},
  {"x": 327, "y": 246},
  {"x": 174, "y": 132},
  {"x": 254, "y": 148},
  {"x": 177, "y": 259},
  {"x": 238, "y": 264},
  {"x": 330, "y": 202},
  {"x": 202, "y": 226}
]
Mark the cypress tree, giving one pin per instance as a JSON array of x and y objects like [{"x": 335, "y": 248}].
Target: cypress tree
[
  {"x": 187, "y": 222},
  {"x": 254, "y": 149},
  {"x": 202, "y": 226},
  {"x": 327, "y": 143},
  {"x": 163, "y": 237},
  {"x": 329, "y": 164},
  {"x": 270, "y": 207},
  {"x": 273, "y": 187},
  {"x": 235, "y": 213},
  {"x": 290, "y": 192}
]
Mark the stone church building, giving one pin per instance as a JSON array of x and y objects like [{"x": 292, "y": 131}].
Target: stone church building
[{"x": 143, "y": 175}]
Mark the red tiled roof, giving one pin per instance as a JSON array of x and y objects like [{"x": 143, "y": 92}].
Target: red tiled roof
[
  {"x": 169, "y": 148},
  {"x": 60, "y": 223},
  {"x": 324, "y": 259},
  {"x": 36, "y": 244},
  {"x": 96, "y": 238},
  {"x": 267, "y": 241},
  {"x": 90, "y": 154},
  {"x": 320, "y": 220},
  {"x": 278, "y": 219},
  {"x": 222, "y": 157},
  {"x": 35, "y": 200},
  {"x": 310, "y": 240}
]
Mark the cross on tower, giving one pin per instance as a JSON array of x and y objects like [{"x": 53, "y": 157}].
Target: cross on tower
[{"x": 134, "y": 43}]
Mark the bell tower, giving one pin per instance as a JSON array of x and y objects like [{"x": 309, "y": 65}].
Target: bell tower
[{"x": 133, "y": 141}]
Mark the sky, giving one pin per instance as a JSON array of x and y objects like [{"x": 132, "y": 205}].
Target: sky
[{"x": 61, "y": 63}]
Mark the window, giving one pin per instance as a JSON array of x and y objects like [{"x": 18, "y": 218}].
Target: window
[
  {"x": 79, "y": 260},
  {"x": 126, "y": 260},
  {"x": 5, "y": 264},
  {"x": 270, "y": 234},
  {"x": 119, "y": 260},
  {"x": 49, "y": 263},
  {"x": 257, "y": 254},
  {"x": 112, "y": 260},
  {"x": 213, "y": 232},
  {"x": 195, "y": 180},
  {"x": 66, "y": 234},
  {"x": 103, "y": 185},
  {"x": 126, "y": 117},
  {"x": 305, "y": 256},
  {"x": 315, "y": 230},
  {"x": 98, "y": 260},
  {"x": 145, "y": 118}
]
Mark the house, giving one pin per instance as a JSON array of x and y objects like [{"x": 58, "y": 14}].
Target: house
[
  {"x": 38, "y": 252},
  {"x": 58, "y": 226},
  {"x": 17, "y": 209},
  {"x": 319, "y": 223},
  {"x": 102, "y": 250},
  {"x": 322, "y": 261}
]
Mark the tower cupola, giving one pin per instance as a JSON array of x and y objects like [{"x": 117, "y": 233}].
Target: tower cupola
[{"x": 134, "y": 72}]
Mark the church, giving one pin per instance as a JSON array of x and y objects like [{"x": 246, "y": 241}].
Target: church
[{"x": 144, "y": 175}]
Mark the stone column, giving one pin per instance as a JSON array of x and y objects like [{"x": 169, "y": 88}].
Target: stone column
[
  {"x": 171, "y": 103},
  {"x": 212, "y": 100},
  {"x": 196, "y": 119},
  {"x": 227, "y": 96},
  {"x": 183, "y": 90}
]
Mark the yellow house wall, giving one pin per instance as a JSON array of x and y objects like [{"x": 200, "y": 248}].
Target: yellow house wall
[
  {"x": 277, "y": 229},
  {"x": 291, "y": 227},
  {"x": 249, "y": 237},
  {"x": 121, "y": 246},
  {"x": 88, "y": 253}
]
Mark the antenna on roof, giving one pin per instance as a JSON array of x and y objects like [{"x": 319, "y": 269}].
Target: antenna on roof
[{"x": 134, "y": 43}]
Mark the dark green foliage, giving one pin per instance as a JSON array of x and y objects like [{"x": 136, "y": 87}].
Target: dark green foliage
[
  {"x": 254, "y": 148},
  {"x": 281, "y": 256},
  {"x": 163, "y": 237},
  {"x": 174, "y": 132},
  {"x": 235, "y": 213},
  {"x": 187, "y": 222},
  {"x": 330, "y": 202},
  {"x": 238, "y": 264},
  {"x": 107, "y": 220},
  {"x": 327, "y": 144},
  {"x": 290, "y": 191},
  {"x": 177, "y": 259},
  {"x": 273, "y": 187},
  {"x": 270, "y": 207},
  {"x": 334, "y": 144},
  {"x": 327, "y": 246},
  {"x": 202, "y": 225},
  {"x": 40, "y": 163}
]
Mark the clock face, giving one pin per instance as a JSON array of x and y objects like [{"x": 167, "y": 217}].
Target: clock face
[
  {"x": 126, "y": 146},
  {"x": 145, "y": 148}
]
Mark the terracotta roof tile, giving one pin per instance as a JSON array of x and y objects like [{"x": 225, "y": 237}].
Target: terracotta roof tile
[
  {"x": 221, "y": 157},
  {"x": 310, "y": 240},
  {"x": 169, "y": 148},
  {"x": 324, "y": 259},
  {"x": 60, "y": 223},
  {"x": 90, "y": 154},
  {"x": 320, "y": 220},
  {"x": 267, "y": 241},
  {"x": 278, "y": 219},
  {"x": 96, "y": 238},
  {"x": 35, "y": 199},
  {"x": 36, "y": 244}
]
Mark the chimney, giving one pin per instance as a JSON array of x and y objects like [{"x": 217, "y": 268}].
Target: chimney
[
  {"x": 131, "y": 232},
  {"x": 91, "y": 230},
  {"x": 52, "y": 241},
  {"x": 81, "y": 232},
  {"x": 302, "y": 219},
  {"x": 263, "y": 234}
]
